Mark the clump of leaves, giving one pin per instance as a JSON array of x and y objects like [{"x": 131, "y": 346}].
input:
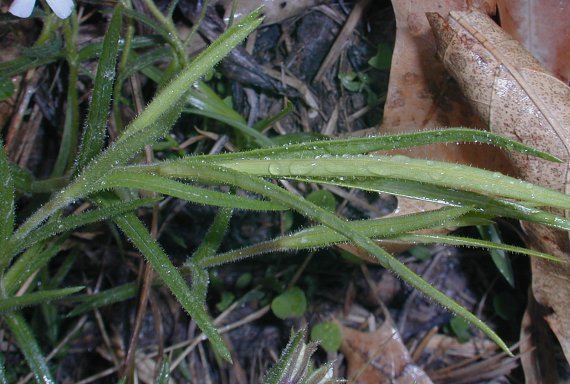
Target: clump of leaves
[
  {"x": 108, "y": 178},
  {"x": 294, "y": 365}
]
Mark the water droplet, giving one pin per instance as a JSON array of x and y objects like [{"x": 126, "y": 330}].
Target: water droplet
[{"x": 275, "y": 169}]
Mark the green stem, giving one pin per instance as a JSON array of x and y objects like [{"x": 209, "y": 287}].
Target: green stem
[
  {"x": 68, "y": 146},
  {"x": 175, "y": 40}
]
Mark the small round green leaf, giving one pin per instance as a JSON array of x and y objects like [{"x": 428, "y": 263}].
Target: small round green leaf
[
  {"x": 226, "y": 300},
  {"x": 244, "y": 280},
  {"x": 505, "y": 305},
  {"x": 291, "y": 303},
  {"x": 420, "y": 252},
  {"x": 383, "y": 58},
  {"x": 460, "y": 328},
  {"x": 328, "y": 335},
  {"x": 323, "y": 199}
]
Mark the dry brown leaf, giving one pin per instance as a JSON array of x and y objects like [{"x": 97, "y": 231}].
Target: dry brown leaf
[
  {"x": 542, "y": 27},
  {"x": 379, "y": 357},
  {"x": 519, "y": 99},
  {"x": 421, "y": 95}
]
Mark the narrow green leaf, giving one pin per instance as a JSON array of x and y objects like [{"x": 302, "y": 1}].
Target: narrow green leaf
[
  {"x": 137, "y": 63},
  {"x": 70, "y": 135},
  {"x": 29, "y": 347},
  {"x": 6, "y": 208},
  {"x": 97, "y": 117},
  {"x": 138, "y": 234},
  {"x": 29, "y": 262},
  {"x": 207, "y": 103},
  {"x": 185, "y": 191},
  {"x": 93, "y": 50},
  {"x": 22, "y": 178},
  {"x": 322, "y": 236},
  {"x": 499, "y": 257},
  {"x": 148, "y": 127},
  {"x": 402, "y": 167},
  {"x": 56, "y": 281},
  {"x": 40, "y": 297},
  {"x": 490, "y": 206},
  {"x": 183, "y": 82},
  {"x": 164, "y": 373},
  {"x": 262, "y": 125},
  {"x": 214, "y": 237},
  {"x": 470, "y": 242},
  {"x": 208, "y": 247},
  {"x": 70, "y": 223},
  {"x": 357, "y": 146},
  {"x": 156, "y": 26},
  {"x": 100, "y": 299},
  {"x": 22, "y": 63},
  {"x": 213, "y": 173}
]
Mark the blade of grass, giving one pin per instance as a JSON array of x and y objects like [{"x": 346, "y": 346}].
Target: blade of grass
[
  {"x": 97, "y": 116},
  {"x": 148, "y": 127},
  {"x": 28, "y": 263},
  {"x": 501, "y": 260},
  {"x": 68, "y": 144},
  {"x": 217, "y": 174},
  {"x": 156, "y": 26},
  {"x": 6, "y": 208},
  {"x": 69, "y": 223},
  {"x": 208, "y": 247},
  {"x": 186, "y": 192},
  {"x": 205, "y": 102},
  {"x": 93, "y": 50},
  {"x": 321, "y": 236},
  {"x": 29, "y": 347},
  {"x": 149, "y": 248},
  {"x": 401, "y": 167},
  {"x": 356, "y": 146},
  {"x": 137, "y": 63},
  {"x": 90, "y": 51},
  {"x": 264, "y": 124},
  {"x": 470, "y": 242},
  {"x": 164, "y": 373},
  {"x": 13, "y": 303},
  {"x": 100, "y": 299},
  {"x": 426, "y": 192},
  {"x": 214, "y": 237}
]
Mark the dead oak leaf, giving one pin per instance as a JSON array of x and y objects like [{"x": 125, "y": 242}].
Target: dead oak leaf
[{"x": 379, "y": 357}]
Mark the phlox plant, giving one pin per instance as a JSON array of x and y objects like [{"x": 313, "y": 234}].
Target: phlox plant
[{"x": 110, "y": 175}]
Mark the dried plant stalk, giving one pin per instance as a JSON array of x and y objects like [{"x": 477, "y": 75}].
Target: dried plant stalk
[{"x": 518, "y": 98}]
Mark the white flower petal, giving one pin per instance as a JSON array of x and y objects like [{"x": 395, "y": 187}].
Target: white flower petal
[
  {"x": 62, "y": 8},
  {"x": 22, "y": 8}
]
